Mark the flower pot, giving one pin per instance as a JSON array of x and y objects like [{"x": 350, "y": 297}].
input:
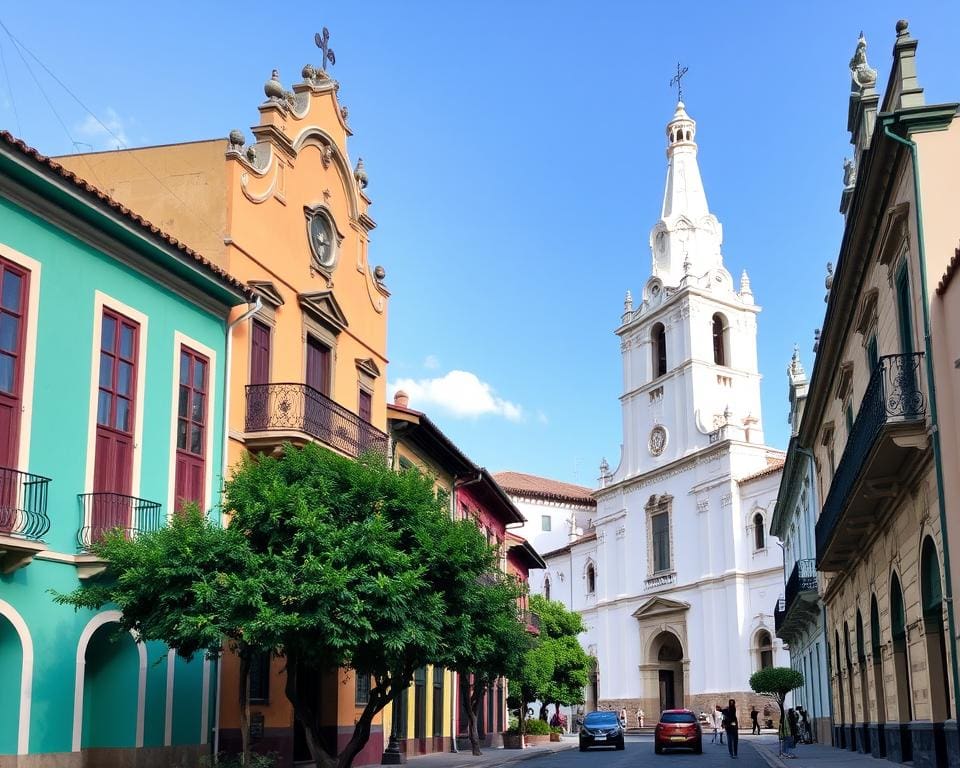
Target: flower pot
[
  {"x": 537, "y": 740},
  {"x": 554, "y": 737},
  {"x": 512, "y": 741}
]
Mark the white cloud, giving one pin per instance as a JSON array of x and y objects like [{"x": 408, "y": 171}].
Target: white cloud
[
  {"x": 542, "y": 417},
  {"x": 109, "y": 132},
  {"x": 460, "y": 393},
  {"x": 431, "y": 362}
]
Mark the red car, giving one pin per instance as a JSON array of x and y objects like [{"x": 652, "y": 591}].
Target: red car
[{"x": 678, "y": 729}]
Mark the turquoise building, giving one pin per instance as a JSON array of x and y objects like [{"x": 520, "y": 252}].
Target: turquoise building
[{"x": 112, "y": 358}]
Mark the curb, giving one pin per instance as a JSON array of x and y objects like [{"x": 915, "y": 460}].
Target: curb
[{"x": 768, "y": 757}]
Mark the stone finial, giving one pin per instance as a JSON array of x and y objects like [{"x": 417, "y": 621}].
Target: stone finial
[
  {"x": 849, "y": 173},
  {"x": 863, "y": 75},
  {"x": 727, "y": 414},
  {"x": 379, "y": 273},
  {"x": 902, "y": 28},
  {"x": 360, "y": 174},
  {"x": 795, "y": 368},
  {"x": 828, "y": 281},
  {"x": 273, "y": 88},
  {"x": 401, "y": 399},
  {"x": 235, "y": 140},
  {"x": 252, "y": 153},
  {"x": 628, "y": 303},
  {"x": 816, "y": 340},
  {"x": 604, "y": 467}
]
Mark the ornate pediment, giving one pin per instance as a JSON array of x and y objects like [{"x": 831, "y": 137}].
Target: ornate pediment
[
  {"x": 267, "y": 291},
  {"x": 323, "y": 307},
  {"x": 368, "y": 366},
  {"x": 660, "y": 606}
]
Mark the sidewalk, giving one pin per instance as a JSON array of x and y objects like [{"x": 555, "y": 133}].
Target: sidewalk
[
  {"x": 492, "y": 756},
  {"x": 807, "y": 755}
]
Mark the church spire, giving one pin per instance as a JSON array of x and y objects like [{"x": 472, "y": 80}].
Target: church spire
[{"x": 684, "y": 195}]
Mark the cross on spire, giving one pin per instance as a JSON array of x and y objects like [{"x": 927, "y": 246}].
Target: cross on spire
[
  {"x": 677, "y": 80},
  {"x": 322, "y": 39}
]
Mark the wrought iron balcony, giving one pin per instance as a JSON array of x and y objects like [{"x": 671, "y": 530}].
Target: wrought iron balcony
[
  {"x": 800, "y": 598},
  {"x": 101, "y": 513},
  {"x": 779, "y": 611},
  {"x": 531, "y": 620},
  {"x": 887, "y": 441},
  {"x": 285, "y": 411},
  {"x": 23, "y": 517}
]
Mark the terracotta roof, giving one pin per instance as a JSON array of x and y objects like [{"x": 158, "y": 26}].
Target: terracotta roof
[
  {"x": 154, "y": 231},
  {"x": 952, "y": 268},
  {"x": 543, "y": 487},
  {"x": 774, "y": 465}
]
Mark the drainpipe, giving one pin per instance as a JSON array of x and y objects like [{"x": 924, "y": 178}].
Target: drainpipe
[
  {"x": 934, "y": 421},
  {"x": 257, "y": 305}
]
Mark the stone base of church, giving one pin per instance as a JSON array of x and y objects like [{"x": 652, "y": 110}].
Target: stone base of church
[{"x": 701, "y": 702}]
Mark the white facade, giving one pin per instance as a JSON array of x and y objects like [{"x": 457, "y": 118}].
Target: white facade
[{"x": 682, "y": 596}]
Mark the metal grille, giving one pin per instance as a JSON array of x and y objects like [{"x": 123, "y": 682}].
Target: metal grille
[
  {"x": 101, "y": 513},
  {"x": 23, "y": 504}
]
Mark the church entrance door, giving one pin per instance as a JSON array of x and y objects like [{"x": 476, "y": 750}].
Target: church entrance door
[
  {"x": 668, "y": 655},
  {"x": 666, "y": 690}
]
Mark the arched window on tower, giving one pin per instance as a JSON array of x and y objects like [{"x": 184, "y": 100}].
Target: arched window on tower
[
  {"x": 546, "y": 587},
  {"x": 759, "y": 537},
  {"x": 719, "y": 340},
  {"x": 591, "y": 579},
  {"x": 658, "y": 337},
  {"x": 765, "y": 649}
]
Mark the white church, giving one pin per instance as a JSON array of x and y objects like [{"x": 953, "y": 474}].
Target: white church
[{"x": 675, "y": 573}]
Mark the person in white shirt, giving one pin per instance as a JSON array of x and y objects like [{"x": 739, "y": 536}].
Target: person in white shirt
[{"x": 717, "y": 725}]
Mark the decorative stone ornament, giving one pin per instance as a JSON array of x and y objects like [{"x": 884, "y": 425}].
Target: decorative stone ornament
[
  {"x": 863, "y": 75},
  {"x": 236, "y": 140},
  {"x": 360, "y": 174},
  {"x": 658, "y": 440},
  {"x": 323, "y": 238}
]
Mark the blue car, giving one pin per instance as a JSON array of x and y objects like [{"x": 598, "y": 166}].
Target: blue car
[{"x": 601, "y": 729}]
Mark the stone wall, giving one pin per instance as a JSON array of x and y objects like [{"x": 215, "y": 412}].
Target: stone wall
[{"x": 701, "y": 702}]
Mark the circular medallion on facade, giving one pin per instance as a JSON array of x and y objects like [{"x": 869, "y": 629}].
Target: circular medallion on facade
[
  {"x": 322, "y": 239},
  {"x": 658, "y": 440}
]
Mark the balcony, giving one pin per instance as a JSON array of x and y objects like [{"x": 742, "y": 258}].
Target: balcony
[
  {"x": 101, "y": 513},
  {"x": 531, "y": 620},
  {"x": 800, "y": 599},
  {"x": 297, "y": 413},
  {"x": 779, "y": 611},
  {"x": 23, "y": 517},
  {"x": 886, "y": 446}
]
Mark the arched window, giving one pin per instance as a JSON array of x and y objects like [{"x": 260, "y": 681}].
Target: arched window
[
  {"x": 658, "y": 336},
  {"x": 591, "y": 579},
  {"x": 898, "y": 631},
  {"x": 719, "y": 340},
  {"x": 765, "y": 649},
  {"x": 546, "y": 587},
  {"x": 759, "y": 538}
]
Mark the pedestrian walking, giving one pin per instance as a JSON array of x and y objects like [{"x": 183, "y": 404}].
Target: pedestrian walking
[
  {"x": 623, "y": 717},
  {"x": 756, "y": 724},
  {"x": 731, "y": 726},
  {"x": 639, "y": 718},
  {"x": 718, "y": 724}
]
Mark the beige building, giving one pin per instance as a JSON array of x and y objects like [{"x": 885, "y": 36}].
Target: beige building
[{"x": 871, "y": 421}]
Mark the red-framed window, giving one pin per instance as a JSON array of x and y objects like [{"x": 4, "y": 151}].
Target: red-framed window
[
  {"x": 14, "y": 293},
  {"x": 192, "y": 393}
]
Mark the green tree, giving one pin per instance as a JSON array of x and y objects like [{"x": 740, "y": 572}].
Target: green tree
[
  {"x": 776, "y": 682},
  {"x": 559, "y": 629},
  {"x": 189, "y": 585},
  {"x": 375, "y": 575}
]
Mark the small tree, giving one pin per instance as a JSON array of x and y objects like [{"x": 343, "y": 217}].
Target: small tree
[
  {"x": 776, "y": 682},
  {"x": 559, "y": 629}
]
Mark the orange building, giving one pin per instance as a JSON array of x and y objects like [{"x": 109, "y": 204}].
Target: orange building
[{"x": 287, "y": 214}]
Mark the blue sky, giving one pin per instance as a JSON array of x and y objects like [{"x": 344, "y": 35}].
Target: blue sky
[{"x": 516, "y": 161}]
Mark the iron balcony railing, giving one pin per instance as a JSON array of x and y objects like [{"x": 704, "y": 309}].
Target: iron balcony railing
[
  {"x": 779, "y": 612},
  {"x": 302, "y": 408},
  {"x": 803, "y": 578},
  {"x": 893, "y": 396},
  {"x": 101, "y": 513},
  {"x": 23, "y": 504}
]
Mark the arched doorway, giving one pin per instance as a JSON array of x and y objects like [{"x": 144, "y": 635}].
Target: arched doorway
[
  {"x": 901, "y": 666},
  {"x": 11, "y": 662},
  {"x": 667, "y": 654},
  {"x": 931, "y": 593},
  {"x": 840, "y": 727},
  {"x": 863, "y": 732},
  {"x": 880, "y": 746},
  {"x": 111, "y": 681}
]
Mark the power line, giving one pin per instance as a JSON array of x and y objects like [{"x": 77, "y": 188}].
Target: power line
[{"x": 13, "y": 101}]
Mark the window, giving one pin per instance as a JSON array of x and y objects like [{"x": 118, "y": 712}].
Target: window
[
  {"x": 903, "y": 310},
  {"x": 849, "y": 417},
  {"x": 873, "y": 355},
  {"x": 658, "y": 337},
  {"x": 191, "y": 428},
  {"x": 545, "y": 522},
  {"x": 591, "y": 579},
  {"x": 420, "y": 703},
  {"x": 14, "y": 284},
  {"x": 546, "y": 588},
  {"x": 438, "y": 674},
  {"x": 660, "y": 528},
  {"x": 260, "y": 678},
  {"x": 759, "y": 540},
  {"x": 765, "y": 649},
  {"x": 259, "y": 353},
  {"x": 719, "y": 342},
  {"x": 365, "y": 403},
  {"x": 361, "y": 690}
]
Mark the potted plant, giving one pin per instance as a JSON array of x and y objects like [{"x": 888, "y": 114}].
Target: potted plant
[
  {"x": 537, "y": 732},
  {"x": 555, "y": 732}
]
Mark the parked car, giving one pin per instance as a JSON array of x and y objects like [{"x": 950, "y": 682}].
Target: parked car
[
  {"x": 601, "y": 729},
  {"x": 678, "y": 729}
]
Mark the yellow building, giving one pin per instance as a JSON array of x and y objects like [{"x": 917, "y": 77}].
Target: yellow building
[{"x": 287, "y": 214}]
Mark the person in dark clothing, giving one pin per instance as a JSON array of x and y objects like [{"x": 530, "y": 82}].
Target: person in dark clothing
[
  {"x": 731, "y": 726},
  {"x": 753, "y": 717}
]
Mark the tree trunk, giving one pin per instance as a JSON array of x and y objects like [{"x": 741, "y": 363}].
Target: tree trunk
[
  {"x": 243, "y": 692},
  {"x": 379, "y": 698},
  {"x": 467, "y": 689},
  {"x": 305, "y": 712}
]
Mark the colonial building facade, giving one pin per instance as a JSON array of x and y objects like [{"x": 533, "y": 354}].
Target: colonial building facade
[
  {"x": 799, "y": 614},
  {"x": 871, "y": 421},
  {"x": 288, "y": 214},
  {"x": 112, "y": 394},
  {"x": 677, "y": 578}
]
